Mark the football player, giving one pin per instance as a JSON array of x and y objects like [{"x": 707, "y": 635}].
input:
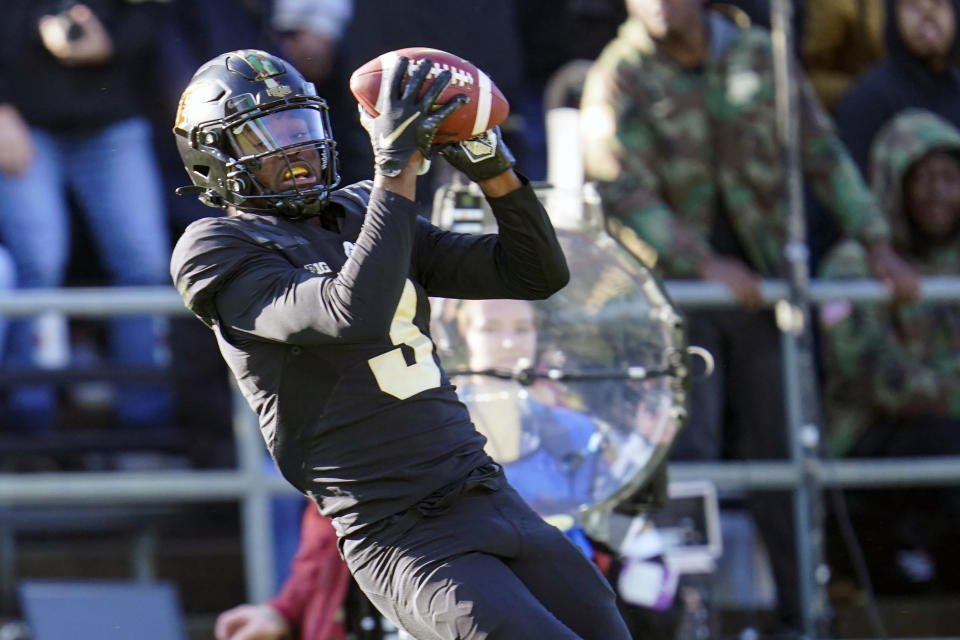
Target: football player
[{"x": 318, "y": 299}]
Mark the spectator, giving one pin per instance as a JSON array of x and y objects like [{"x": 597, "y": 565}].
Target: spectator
[
  {"x": 680, "y": 136},
  {"x": 545, "y": 449},
  {"x": 841, "y": 40},
  {"x": 80, "y": 128},
  {"x": 919, "y": 72},
  {"x": 309, "y": 601},
  {"x": 892, "y": 376}
]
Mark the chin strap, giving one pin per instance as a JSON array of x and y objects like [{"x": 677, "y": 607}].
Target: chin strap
[{"x": 328, "y": 213}]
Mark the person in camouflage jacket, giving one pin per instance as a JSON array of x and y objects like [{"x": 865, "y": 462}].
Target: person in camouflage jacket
[
  {"x": 884, "y": 361},
  {"x": 892, "y": 372},
  {"x": 680, "y": 137},
  {"x": 671, "y": 134}
]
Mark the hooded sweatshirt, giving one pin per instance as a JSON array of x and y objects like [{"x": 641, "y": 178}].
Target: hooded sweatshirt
[
  {"x": 901, "y": 81},
  {"x": 884, "y": 362}
]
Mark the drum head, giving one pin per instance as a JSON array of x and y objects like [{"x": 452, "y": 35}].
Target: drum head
[{"x": 581, "y": 395}]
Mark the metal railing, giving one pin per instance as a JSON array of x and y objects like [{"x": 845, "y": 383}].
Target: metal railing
[{"x": 252, "y": 486}]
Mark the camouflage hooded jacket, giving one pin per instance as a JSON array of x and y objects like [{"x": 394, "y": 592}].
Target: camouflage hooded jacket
[
  {"x": 889, "y": 361},
  {"x": 666, "y": 144}
]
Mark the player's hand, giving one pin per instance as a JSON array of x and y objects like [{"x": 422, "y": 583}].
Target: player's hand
[
  {"x": 251, "y": 622},
  {"x": 77, "y": 37},
  {"x": 889, "y": 267},
  {"x": 743, "y": 282},
  {"x": 406, "y": 124},
  {"x": 16, "y": 147},
  {"x": 480, "y": 158}
]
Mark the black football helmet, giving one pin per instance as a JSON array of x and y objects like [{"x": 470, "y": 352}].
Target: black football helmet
[{"x": 253, "y": 133}]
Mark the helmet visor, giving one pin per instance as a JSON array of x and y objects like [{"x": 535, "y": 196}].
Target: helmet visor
[{"x": 275, "y": 131}]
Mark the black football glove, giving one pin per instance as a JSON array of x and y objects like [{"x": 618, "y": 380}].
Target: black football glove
[
  {"x": 406, "y": 124},
  {"x": 481, "y": 157}
]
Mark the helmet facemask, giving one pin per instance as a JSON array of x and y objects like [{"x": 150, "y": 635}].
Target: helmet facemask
[{"x": 280, "y": 160}]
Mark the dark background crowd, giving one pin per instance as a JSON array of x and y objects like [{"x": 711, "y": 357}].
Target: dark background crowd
[{"x": 88, "y": 168}]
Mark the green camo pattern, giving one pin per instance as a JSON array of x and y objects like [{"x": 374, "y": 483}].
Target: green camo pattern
[
  {"x": 664, "y": 143},
  {"x": 883, "y": 360}
]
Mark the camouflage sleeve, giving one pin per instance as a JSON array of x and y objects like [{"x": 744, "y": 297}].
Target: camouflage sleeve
[
  {"x": 832, "y": 174},
  {"x": 619, "y": 155},
  {"x": 861, "y": 342},
  {"x": 865, "y": 356}
]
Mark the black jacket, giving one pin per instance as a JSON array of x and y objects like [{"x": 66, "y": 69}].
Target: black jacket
[
  {"x": 327, "y": 332},
  {"x": 899, "y": 82}
]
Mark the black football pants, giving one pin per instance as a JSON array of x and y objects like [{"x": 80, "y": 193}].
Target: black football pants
[{"x": 480, "y": 564}]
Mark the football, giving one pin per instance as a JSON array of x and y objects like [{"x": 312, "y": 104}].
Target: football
[{"x": 486, "y": 109}]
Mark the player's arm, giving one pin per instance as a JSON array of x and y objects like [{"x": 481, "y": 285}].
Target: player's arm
[
  {"x": 501, "y": 185},
  {"x": 404, "y": 184},
  {"x": 523, "y": 260},
  {"x": 228, "y": 278}
]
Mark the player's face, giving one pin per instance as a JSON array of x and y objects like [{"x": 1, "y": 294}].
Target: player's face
[
  {"x": 932, "y": 195},
  {"x": 291, "y": 168},
  {"x": 499, "y": 334},
  {"x": 926, "y": 26}
]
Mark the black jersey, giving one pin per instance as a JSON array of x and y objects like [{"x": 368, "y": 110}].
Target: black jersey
[{"x": 326, "y": 329}]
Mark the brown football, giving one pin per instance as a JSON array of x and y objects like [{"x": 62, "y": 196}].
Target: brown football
[{"x": 486, "y": 109}]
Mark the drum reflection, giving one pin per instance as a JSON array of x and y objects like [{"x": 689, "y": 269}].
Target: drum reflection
[
  {"x": 551, "y": 453},
  {"x": 580, "y": 396}
]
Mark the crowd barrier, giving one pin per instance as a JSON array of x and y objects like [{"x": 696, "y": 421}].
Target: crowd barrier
[{"x": 251, "y": 486}]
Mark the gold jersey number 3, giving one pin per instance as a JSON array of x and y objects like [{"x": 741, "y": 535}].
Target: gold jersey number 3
[{"x": 393, "y": 374}]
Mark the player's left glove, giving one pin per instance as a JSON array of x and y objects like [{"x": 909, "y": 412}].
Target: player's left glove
[{"x": 480, "y": 158}]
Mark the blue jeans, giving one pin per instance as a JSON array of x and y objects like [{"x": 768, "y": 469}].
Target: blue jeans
[
  {"x": 115, "y": 178},
  {"x": 8, "y": 279}
]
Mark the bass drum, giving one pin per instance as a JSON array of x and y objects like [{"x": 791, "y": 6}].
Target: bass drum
[{"x": 579, "y": 396}]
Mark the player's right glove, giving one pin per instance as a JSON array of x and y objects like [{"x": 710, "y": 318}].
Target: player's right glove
[
  {"x": 480, "y": 158},
  {"x": 406, "y": 124}
]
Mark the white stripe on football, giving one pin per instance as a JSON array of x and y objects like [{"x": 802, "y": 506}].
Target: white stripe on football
[{"x": 487, "y": 107}]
